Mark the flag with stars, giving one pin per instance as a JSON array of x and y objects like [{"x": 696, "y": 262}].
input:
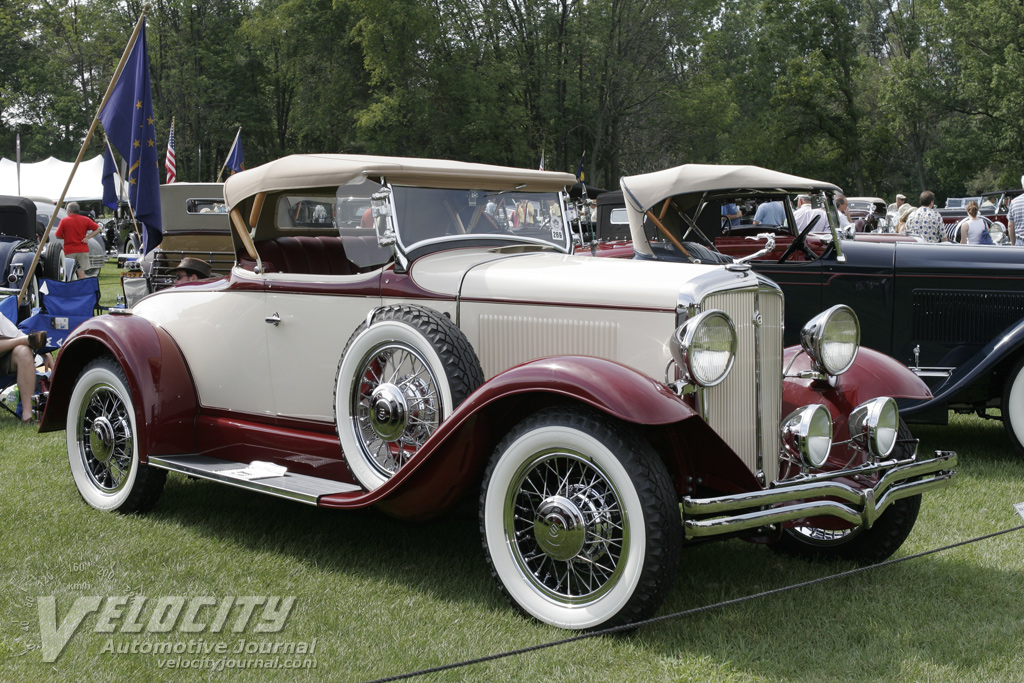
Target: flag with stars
[
  {"x": 127, "y": 118},
  {"x": 236, "y": 162}
]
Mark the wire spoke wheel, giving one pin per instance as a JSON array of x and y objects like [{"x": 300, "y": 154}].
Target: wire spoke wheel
[
  {"x": 579, "y": 520},
  {"x": 103, "y": 444},
  {"x": 397, "y": 405},
  {"x": 402, "y": 373},
  {"x": 566, "y": 525},
  {"x": 105, "y": 439}
]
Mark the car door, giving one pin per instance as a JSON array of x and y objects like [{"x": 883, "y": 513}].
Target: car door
[{"x": 309, "y": 320}]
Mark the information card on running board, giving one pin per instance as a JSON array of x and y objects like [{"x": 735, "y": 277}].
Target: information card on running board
[{"x": 1019, "y": 507}]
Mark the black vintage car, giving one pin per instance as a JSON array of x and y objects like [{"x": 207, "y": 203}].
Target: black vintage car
[
  {"x": 18, "y": 242},
  {"x": 953, "y": 313}
]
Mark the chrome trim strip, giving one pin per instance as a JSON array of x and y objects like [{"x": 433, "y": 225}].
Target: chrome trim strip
[
  {"x": 793, "y": 499},
  {"x": 291, "y": 486}
]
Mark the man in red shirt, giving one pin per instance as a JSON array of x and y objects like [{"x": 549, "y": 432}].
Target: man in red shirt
[{"x": 76, "y": 230}]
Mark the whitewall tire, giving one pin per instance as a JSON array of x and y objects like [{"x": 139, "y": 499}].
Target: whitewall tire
[
  {"x": 579, "y": 521},
  {"x": 103, "y": 450},
  {"x": 1012, "y": 406}
]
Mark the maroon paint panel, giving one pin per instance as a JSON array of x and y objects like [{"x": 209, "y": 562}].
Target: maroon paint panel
[
  {"x": 451, "y": 460},
  {"x": 246, "y": 438},
  {"x": 162, "y": 391},
  {"x": 873, "y": 374}
]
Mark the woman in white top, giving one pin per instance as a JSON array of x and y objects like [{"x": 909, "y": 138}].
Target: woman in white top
[{"x": 972, "y": 228}]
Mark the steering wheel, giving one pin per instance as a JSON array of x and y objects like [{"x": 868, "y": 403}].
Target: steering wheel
[{"x": 801, "y": 243}]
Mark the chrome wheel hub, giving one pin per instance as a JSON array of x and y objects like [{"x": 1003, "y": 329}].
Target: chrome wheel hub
[
  {"x": 566, "y": 527},
  {"x": 395, "y": 407},
  {"x": 560, "y": 528},
  {"x": 101, "y": 440}
]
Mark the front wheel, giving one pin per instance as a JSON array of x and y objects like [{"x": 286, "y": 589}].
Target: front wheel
[
  {"x": 579, "y": 521},
  {"x": 102, "y": 446},
  {"x": 1012, "y": 407},
  {"x": 857, "y": 544}
]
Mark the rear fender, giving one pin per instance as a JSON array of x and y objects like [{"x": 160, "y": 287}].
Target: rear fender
[
  {"x": 162, "y": 390},
  {"x": 452, "y": 460}
]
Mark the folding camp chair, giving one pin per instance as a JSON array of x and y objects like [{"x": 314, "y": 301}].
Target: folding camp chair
[{"x": 63, "y": 307}]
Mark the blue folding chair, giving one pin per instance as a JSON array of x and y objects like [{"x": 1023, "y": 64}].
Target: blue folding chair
[{"x": 63, "y": 307}]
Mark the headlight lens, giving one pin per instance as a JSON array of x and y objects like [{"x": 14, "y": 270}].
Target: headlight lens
[
  {"x": 874, "y": 425},
  {"x": 807, "y": 432},
  {"x": 705, "y": 347},
  {"x": 832, "y": 339}
]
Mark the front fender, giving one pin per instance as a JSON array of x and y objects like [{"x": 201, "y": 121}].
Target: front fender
[
  {"x": 163, "y": 393},
  {"x": 452, "y": 460},
  {"x": 873, "y": 374}
]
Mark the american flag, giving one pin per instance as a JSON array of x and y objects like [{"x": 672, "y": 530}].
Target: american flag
[{"x": 172, "y": 174}]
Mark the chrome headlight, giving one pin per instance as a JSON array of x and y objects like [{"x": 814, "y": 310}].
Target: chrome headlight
[
  {"x": 704, "y": 347},
  {"x": 832, "y": 339},
  {"x": 807, "y": 432},
  {"x": 874, "y": 426}
]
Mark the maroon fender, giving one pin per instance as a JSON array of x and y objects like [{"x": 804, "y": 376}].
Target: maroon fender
[
  {"x": 873, "y": 374},
  {"x": 158, "y": 378},
  {"x": 453, "y": 458}
]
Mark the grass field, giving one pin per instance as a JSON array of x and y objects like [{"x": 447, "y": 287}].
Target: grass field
[{"x": 381, "y": 597}]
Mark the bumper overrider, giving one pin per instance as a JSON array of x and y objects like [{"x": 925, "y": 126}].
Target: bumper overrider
[{"x": 819, "y": 495}]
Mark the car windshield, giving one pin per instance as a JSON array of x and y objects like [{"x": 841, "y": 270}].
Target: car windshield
[{"x": 427, "y": 216}]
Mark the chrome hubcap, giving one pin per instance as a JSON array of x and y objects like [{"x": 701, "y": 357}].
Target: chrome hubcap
[
  {"x": 101, "y": 440},
  {"x": 396, "y": 405},
  {"x": 560, "y": 528},
  {"x": 105, "y": 440},
  {"x": 566, "y": 526}
]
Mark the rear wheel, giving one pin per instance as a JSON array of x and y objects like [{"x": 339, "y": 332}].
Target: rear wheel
[
  {"x": 858, "y": 544},
  {"x": 579, "y": 521},
  {"x": 103, "y": 450}
]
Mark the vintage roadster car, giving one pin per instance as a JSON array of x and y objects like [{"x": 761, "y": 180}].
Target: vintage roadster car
[
  {"x": 603, "y": 411},
  {"x": 18, "y": 243},
  {"x": 954, "y": 313},
  {"x": 195, "y": 223}
]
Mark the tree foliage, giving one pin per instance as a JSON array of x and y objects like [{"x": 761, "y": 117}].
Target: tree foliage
[{"x": 878, "y": 96}]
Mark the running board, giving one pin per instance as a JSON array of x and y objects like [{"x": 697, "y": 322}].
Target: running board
[{"x": 300, "y": 487}]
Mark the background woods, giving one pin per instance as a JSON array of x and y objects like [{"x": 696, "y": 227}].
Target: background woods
[{"x": 878, "y": 96}]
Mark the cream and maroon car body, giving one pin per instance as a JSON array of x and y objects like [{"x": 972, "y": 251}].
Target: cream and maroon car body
[{"x": 448, "y": 344}]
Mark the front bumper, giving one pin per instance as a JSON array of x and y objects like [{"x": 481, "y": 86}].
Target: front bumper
[{"x": 819, "y": 496}]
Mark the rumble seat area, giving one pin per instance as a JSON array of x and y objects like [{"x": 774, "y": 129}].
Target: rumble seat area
[{"x": 318, "y": 255}]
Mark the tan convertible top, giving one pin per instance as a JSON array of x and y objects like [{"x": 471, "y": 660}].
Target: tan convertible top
[
  {"x": 642, "y": 192},
  {"x": 326, "y": 170}
]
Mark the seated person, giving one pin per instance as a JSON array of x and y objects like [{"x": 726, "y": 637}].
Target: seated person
[
  {"x": 770, "y": 213},
  {"x": 805, "y": 213},
  {"x": 191, "y": 269},
  {"x": 17, "y": 358}
]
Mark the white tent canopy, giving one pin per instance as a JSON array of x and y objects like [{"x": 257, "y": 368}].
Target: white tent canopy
[{"x": 47, "y": 179}]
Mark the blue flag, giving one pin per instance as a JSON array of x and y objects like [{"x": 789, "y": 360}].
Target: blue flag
[
  {"x": 236, "y": 162},
  {"x": 109, "y": 175},
  {"x": 128, "y": 119}
]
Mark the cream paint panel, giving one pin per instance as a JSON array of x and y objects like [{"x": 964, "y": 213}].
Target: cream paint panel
[
  {"x": 223, "y": 338},
  {"x": 505, "y": 335},
  {"x": 306, "y": 346}
]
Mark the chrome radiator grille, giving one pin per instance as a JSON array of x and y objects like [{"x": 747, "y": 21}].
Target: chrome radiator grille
[{"x": 752, "y": 393}]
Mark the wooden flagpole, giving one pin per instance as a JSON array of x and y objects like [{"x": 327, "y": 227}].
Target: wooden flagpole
[{"x": 88, "y": 138}]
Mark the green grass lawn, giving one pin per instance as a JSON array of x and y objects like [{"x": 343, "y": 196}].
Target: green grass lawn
[{"x": 382, "y": 597}]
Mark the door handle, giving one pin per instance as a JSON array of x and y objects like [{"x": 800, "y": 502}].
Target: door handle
[{"x": 274, "y": 319}]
